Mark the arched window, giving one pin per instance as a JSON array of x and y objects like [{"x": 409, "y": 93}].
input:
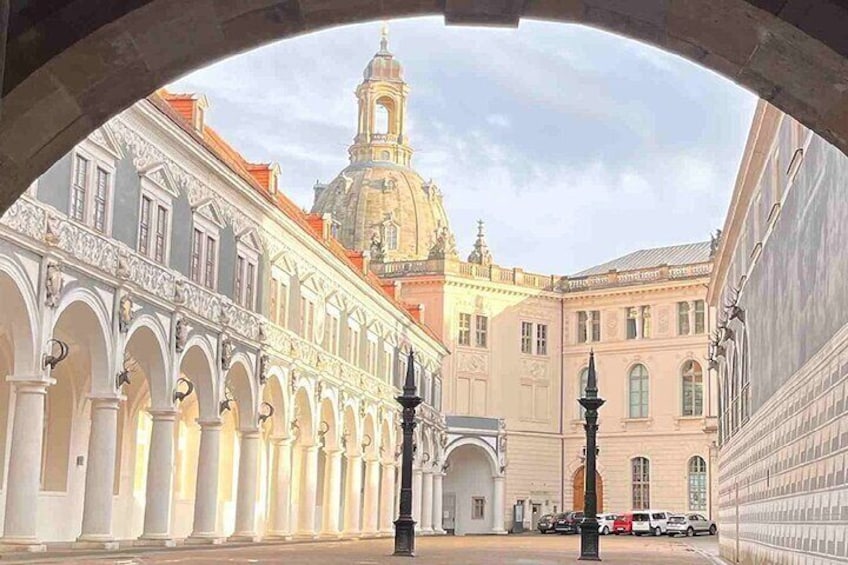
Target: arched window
[
  {"x": 638, "y": 387},
  {"x": 640, "y": 471},
  {"x": 697, "y": 483},
  {"x": 381, "y": 119},
  {"x": 391, "y": 237},
  {"x": 693, "y": 389}
]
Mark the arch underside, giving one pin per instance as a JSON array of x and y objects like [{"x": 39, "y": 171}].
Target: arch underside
[{"x": 61, "y": 81}]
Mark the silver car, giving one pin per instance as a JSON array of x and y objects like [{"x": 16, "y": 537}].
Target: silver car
[{"x": 690, "y": 525}]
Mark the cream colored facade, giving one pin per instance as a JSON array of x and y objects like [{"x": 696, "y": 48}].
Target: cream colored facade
[{"x": 512, "y": 378}]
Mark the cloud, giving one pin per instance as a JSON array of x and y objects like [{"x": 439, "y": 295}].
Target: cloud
[{"x": 498, "y": 120}]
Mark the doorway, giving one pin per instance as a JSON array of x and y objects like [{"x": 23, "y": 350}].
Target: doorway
[{"x": 579, "y": 485}]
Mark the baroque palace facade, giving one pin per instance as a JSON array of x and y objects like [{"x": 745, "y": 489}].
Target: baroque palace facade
[
  {"x": 188, "y": 356},
  {"x": 520, "y": 342}
]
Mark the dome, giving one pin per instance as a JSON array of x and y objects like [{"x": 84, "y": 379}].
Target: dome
[
  {"x": 383, "y": 66},
  {"x": 387, "y": 209}
]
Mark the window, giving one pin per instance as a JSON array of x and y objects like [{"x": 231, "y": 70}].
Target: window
[
  {"x": 683, "y": 318},
  {"x": 331, "y": 331},
  {"x": 391, "y": 236},
  {"x": 693, "y": 389},
  {"x": 482, "y": 331},
  {"x": 388, "y": 356},
  {"x": 638, "y": 383},
  {"x": 91, "y": 187},
  {"x": 79, "y": 189},
  {"x": 372, "y": 354},
  {"x": 464, "y": 337},
  {"x": 353, "y": 343},
  {"x": 641, "y": 483},
  {"x": 307, "y": 318},
  {"x": 203, "y": 267},
  {"x": 245, "y": 287},
  {"x": 541, "y": 339},
  {"x": 697, "y": 483},
  {"x": 588, "y": 326},
  {"x": 153, "y": 229},
  {"x": 478, "y": 508},
  {"x": 101, "y": 198},
  {"x": 699, "y": 317},
  {"x": 279, "y": 300},
  {"x": 639, "y": 322},
  {"x": 527, "y": 337}
]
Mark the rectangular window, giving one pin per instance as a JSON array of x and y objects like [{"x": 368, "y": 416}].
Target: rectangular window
[
  {"x": 482, "y": 331},
  {"x": 699, "y": 317},
  {"x": 283, "y": 305},
  {"x": 101, "y": 195},
  {"x": 387, "y": 365},
  {"x": 161, "y": 233},
  {"x": 307, "y": 318},
  {"x": 353, "y": 345},
  {"x": 332, "y": 328},
  {"x": 78, "y": 193},
  {"x": 196, "y": 254},
  {"x": 211, "y": 258},
  {"x": 478, "y": 508},
  {"x": 582, "y": 334},
  {"x": 464, "y": 337},
  {"x": 272, "y": 300},
  {"x": 240, "y": 261},
  {"x": 526, "y": 337},
  {"x": 682, "y": 318},
  {"x": 596, "y": 325},
  {"x": 144, "y": 226},
  {"x": 646, "y": 321},
  {"x": 250, "y": 285},
  {"x": 372, "y": 356},
  {"x": 632, "y": 320},
  {"x": 541, "y": 339}
]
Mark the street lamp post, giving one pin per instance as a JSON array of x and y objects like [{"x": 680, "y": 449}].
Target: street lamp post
[
  {"x": 405, "y": 525},
  {"x": 589, "y": 539}
]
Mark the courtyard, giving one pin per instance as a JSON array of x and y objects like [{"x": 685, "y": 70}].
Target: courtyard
[{"x": 529, "y": 549}]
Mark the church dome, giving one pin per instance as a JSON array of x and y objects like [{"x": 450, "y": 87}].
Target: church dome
[
  {"x": 387, "y": 209},
  {"x": 383, "y": 66}
]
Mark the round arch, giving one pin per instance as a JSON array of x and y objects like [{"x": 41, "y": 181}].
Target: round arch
[
  {"x": 91, "y": 329},
  {"x": 274, "y": 392},
  {"x": 794, "y": 59},
  {"x": 198, "y": 366},
  {"x": 491, "y": 456},
  {"x": 146, "y": 344},
  {"x": 239, "y": 380},
  {"x": 20, "y": 306}
]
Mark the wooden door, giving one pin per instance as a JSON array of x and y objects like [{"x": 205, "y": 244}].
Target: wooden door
[{"x": 578, "y": 482}]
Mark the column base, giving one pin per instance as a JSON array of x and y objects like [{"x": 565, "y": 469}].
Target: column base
[
  {"x": 96, "y": 542},
  {"x": 426, "y": 531},
  {"x": 305, "y": 536},
  {"x": 329, "y": 535},
  {"x": 277, "y": 536},
  {"x": 352, "y": 535},
  {"x": 24, "y": 545},
  {"x": 244, "y": 537},
  {"x": 441, "y": 532},
  {"x": 205, "y": 539},
  {"x": 155, "y": 542},
  {"x": 500, "y": 532}
]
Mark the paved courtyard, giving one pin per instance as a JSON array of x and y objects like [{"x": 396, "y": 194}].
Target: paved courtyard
[{"x": 477, "y": 550}]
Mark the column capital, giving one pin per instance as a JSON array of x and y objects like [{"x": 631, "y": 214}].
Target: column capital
[
  {"x": 32, "y": 384},
  {"x": 352, "y": 456},
  {"x": 282, "y": 441},
  {"x": 163, "y": 414},
  {"x": 334, "y": 452},
  {"x": 105, "y": 402},
  {"x": 249, "y": 433},
  {"x": 210, "y": 424}
]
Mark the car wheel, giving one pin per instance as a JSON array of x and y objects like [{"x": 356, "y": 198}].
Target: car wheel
[
  {"x": 657, "y": 531},
  {"x": 605, "y": 531},
  {"x": 712, "y": 530},
  {"x": 690, "y": 532}
]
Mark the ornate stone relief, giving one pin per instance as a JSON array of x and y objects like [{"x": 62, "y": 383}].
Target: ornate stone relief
[
  {"x": 662, "y": 320},
  {"x": 54, "y": 282},
  {"x": 264, "y": 364},
  {"x": 472, "y": 363},
  {"x": 126, "y": 312},
  {"x": 227, "y": 349},
  {"x": 534, "y": 368},
  {"x": 181, "y": 334}
]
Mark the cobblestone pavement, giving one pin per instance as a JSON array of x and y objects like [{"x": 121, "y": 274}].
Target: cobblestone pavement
[{"x": 471, "y": 550}]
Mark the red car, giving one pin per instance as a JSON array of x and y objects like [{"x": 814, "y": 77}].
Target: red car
[{"x": 623, "y": 524}]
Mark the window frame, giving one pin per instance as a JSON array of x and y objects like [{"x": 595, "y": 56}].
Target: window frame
[
  {"x": 687, "y": 372},
  {"x": 474, "y": 508},
  {"x": 279, "y": 296},
  {"x": 159, "y": 199},
  {"x": 526, "y": 341},
  {"x": 541, "y": 339},
  {"x": 391, "y": 236},
  {"x": 250, "y": 255},
  {"x": 700, "y": 481},
  {"x": 463, "y": 335},
  {"x": 642, "y": 483},
  {"x": 644, "y": 392},
  {"x": 481, "y": 331},
  {"x": 353, "y": 353},
  {"x": 209, "y": 230},
  {"x": 97, "y": 159}
]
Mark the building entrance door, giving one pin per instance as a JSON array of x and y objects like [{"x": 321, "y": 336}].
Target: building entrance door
[
  {"x": 449, "y": 512},
  {"x": 579, "y": 485}
]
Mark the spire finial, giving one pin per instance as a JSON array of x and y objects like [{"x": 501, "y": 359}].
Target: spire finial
[
  {"x": 384, "y": 37},
  {"x": 481, "y": 254}
]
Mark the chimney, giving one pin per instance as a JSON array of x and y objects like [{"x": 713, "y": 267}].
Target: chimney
[
  {"x": 391, "y": 288},
  {"x": 416, "y": 311}
]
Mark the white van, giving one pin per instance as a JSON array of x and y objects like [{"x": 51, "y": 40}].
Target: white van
[{"x": 650, "y": 522}]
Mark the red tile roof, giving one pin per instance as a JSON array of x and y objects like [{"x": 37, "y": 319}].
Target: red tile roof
[{"x": 179, "y": 108}]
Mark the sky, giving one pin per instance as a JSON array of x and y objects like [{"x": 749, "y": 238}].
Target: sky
[{"x": 575, "y": 146}]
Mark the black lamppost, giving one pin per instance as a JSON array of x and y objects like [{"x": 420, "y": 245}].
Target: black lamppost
[
  {"x": 589, "y": 539},
  {"x": 405, "y": 525}
]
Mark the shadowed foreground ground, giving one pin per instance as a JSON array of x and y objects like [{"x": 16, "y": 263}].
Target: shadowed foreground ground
[{"x": 477, "y": 550}]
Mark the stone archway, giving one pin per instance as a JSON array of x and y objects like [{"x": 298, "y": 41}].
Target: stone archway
[
  {"x": 578, "y": 485},
  {"x": 70, "y": 66}
]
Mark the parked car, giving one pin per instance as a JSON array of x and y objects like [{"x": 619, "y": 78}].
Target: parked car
[
  {"x": 606, "y": 523},
  {"x": 651, "y": 522},
  {"x": 568, "y": 523},
  {"x": 546, "y": 523},
  {"x": 623, "y": 524},
  {"x": 690, "y": 525}
]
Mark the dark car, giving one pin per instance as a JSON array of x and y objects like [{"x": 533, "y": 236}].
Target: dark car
[
  {"x": 546, "y": 523},
  {"x": 568, "y": 523}
]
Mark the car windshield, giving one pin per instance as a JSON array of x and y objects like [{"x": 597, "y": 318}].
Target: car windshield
[
  {"x": 639, "y": 517},
  {"x": 546, "y": 517},
  {"x": 677, "y": 519}
]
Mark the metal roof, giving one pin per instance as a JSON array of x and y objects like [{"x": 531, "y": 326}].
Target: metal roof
[{"x": 687, "y": 254}]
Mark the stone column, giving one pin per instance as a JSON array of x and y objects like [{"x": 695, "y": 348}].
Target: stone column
[
  {"x": 21, "y": 520},
  {"x": 309, "y": 480},
  {"x": 498, "y": 506},
  {"x": 639, "y": 321},
  {"x": 691, "y": 317},
  {"x": 247, "y": 483},
  {"x": 160, "y": 476},
  {"x": 206, "y": 485},
  {"x": 332, "y": 493},
  {"x": 281, "y": 489},
  {"x": 588, "y": 326},
  {"x": 353, "y": 495},
  {"x": 437, "y": 503},
  {"x": 427, "y": 503},
  {"x": 387, "y": 498},
  {"x": 370, "y": 507},
  {"x": 417, "y": 489},
  {"x": 100, "y": 475}
]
